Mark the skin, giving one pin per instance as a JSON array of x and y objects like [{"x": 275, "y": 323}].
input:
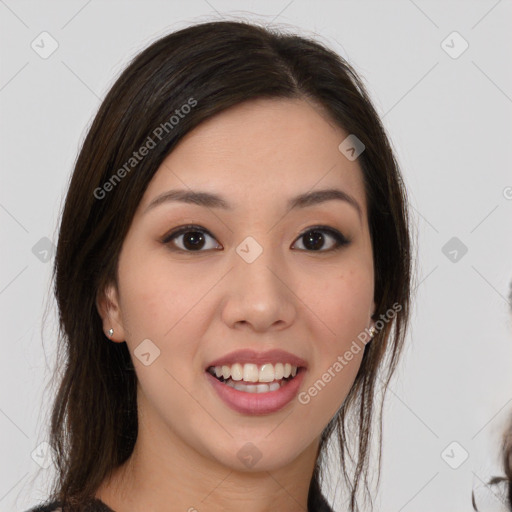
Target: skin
[{"x": 197, "y": 306}]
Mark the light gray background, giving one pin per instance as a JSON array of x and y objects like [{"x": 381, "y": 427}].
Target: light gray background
[{"x": 450, "y": 121}]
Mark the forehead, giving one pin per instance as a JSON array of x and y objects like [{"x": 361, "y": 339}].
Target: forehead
[{"x": 261, "y": 150}]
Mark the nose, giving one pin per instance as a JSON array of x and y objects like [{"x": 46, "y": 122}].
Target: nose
[{"x": 259, "y": 295}]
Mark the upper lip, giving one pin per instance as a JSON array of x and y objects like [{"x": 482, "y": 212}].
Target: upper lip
[{"x": 253, "y": 356}]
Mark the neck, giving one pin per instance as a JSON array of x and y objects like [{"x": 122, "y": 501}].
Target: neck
[{"x": 171, "y": 475}]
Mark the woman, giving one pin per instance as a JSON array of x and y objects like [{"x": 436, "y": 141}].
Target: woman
[{"x": 233, "y": 272}]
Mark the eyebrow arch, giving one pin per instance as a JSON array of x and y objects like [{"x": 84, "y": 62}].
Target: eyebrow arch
[{"x": 209, "y": 200}]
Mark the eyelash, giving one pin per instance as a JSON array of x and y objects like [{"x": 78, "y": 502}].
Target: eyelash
[{"x": 340, "y": 240}]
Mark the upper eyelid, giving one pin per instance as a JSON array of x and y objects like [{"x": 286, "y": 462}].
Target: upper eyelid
[
  {"x": 191, "y": 227},
  {"x": 179, "y": 231}
]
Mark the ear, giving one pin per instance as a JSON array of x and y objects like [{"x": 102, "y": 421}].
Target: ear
[{"x": 107, "y": 304}]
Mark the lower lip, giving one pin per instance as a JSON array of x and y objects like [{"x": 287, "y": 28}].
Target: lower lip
[{"x": 257, "y": 403}]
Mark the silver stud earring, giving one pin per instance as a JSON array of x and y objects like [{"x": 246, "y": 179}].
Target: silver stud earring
[
  {"x": 110, "y": 332},
  {"x": 372, "y": 331}
]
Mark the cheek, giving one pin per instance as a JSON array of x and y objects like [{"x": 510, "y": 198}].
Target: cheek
[
  {"x": 157, "y": 297},
  {"x": 343, "y": 304},
  {"x": 342, "y": 307},
  {"x": 160, "y": 303}
]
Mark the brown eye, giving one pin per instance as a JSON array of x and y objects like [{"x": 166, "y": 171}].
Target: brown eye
[
  {"x": 194, "y": 239},
  {"x": 314, "y": 239}
]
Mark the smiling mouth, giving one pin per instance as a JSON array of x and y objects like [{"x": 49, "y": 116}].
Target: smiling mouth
[{"x": 255, "y": 387}]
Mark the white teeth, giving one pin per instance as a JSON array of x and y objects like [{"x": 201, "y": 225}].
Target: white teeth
[
  {"x": 252, "y": 373},
  {"x": 266, "y": 373},
  {"x": 236, "y": 371},
  {"x": 255, "y": 388}
]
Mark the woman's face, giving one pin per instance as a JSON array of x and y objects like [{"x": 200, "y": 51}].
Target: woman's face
[{"x": 252, "y": 276}]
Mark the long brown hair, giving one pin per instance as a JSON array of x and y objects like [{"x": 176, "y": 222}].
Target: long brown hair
[{"x": 218, "y": 64}]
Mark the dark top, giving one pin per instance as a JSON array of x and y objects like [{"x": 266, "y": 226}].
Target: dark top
[
  {"x": 93, "y": 506},
  {"x": 97, "y": 505}
]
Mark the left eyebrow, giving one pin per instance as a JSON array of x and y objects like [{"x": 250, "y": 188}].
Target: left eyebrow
[
  {"x": 209, "y": 200},
  {"x": 321, "y": 196}
]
